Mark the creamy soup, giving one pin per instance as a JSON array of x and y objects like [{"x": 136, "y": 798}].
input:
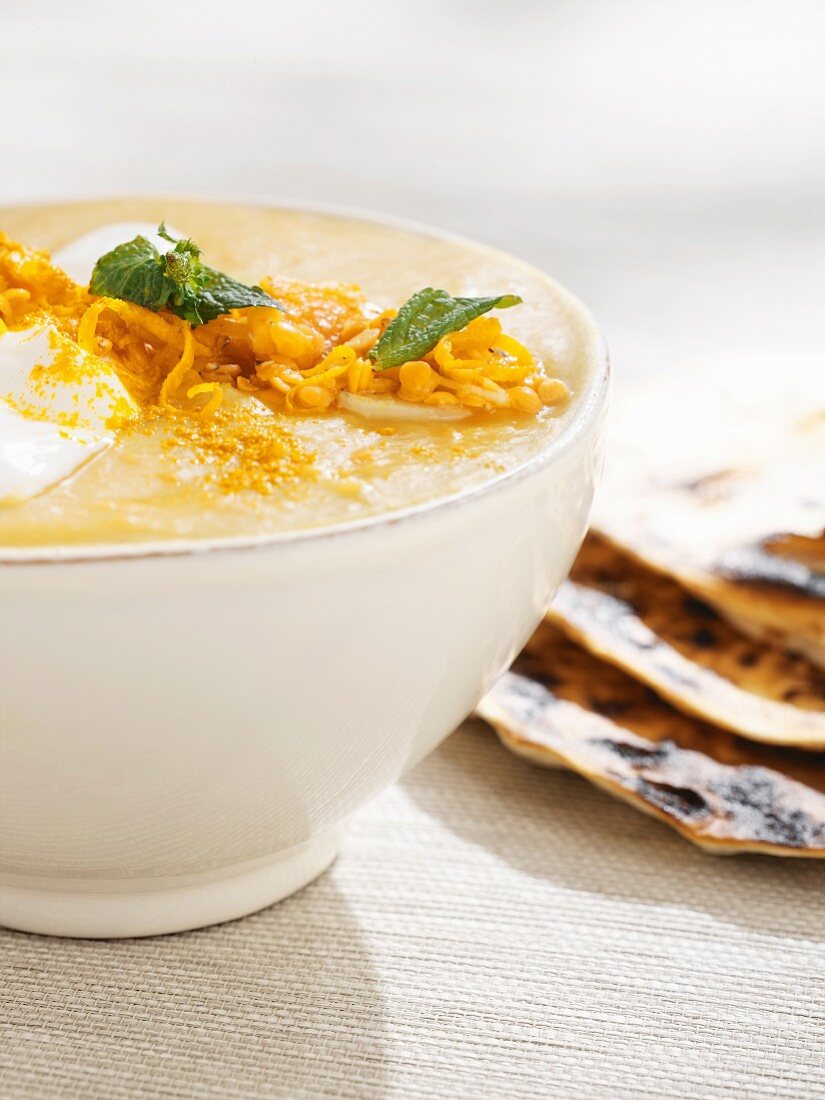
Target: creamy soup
[{"x": 301, "y": 436}]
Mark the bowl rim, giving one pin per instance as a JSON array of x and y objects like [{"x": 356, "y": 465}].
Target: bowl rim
[{"x": 591, "y": 403}]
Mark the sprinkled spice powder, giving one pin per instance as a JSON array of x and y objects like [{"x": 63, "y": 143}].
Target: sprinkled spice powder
[{"x": 238, "y": 450}]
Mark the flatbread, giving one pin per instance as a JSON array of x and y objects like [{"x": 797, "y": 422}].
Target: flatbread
[
  {"x": 808, "y": 551},
  {"x": 719, "y": 481},
  {"x": 652, "y": 628},
  {"x": 727, "y": 795}
]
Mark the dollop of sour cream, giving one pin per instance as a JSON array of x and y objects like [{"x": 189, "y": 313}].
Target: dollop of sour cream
[
  {"x": 60, "y": 405},
  {"x": 35, "y": 454}
]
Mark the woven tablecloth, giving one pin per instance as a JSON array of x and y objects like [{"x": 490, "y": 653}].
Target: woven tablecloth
[{"x": 490, "y": 929}]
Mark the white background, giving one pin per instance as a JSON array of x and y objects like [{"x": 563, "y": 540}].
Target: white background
[{"x": 664, "y": 158}]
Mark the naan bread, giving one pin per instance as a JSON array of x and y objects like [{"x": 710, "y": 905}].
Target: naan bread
[
  {"x": 652, "y": 628},
  {"x": 718, "y": 480},
  {"x": 563, "y": 706}
]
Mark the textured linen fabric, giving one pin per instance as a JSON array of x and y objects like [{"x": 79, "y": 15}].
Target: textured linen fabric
[{"x": 491, "y": 929}]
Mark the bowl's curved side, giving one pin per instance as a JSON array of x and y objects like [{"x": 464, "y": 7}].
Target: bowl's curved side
[{"x": 170, "y": 717}]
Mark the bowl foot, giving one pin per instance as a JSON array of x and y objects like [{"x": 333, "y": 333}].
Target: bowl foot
[{"x": 113, "y": 908}]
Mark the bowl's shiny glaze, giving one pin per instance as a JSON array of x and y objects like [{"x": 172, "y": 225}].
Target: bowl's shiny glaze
[{"x": 185, "y": 727}]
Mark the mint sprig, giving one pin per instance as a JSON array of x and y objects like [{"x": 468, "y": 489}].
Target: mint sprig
[
  {"x": 424, "y": 319},
  {"x": 176, "y": 280}
]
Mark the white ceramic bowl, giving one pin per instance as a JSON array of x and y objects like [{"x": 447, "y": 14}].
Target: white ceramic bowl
[{"x": 185, "y": 728}]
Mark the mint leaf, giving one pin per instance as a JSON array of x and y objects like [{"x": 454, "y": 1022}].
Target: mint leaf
[
  {"x": 134, "y": 273},
  {"x": 176, "y": 280},
  {"x": 219, "y": 293},
  {"x": 424, "y": 319}
]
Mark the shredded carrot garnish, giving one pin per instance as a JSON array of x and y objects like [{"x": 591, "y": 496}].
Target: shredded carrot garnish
[
  {"x": 213, "y": 388},
  {"x": 174, "y": 378},
  {"x": 297, "y": 360}
]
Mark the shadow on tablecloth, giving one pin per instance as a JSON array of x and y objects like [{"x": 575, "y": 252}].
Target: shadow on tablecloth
[
  {"x": 284, "y": 1003},
  {"x": 554, "y": 825}
]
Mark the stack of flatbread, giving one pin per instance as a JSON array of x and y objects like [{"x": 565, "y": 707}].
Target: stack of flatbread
[{"x": 682, "y": 665}]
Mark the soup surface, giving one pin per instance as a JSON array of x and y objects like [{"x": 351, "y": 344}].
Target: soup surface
[{"x": 250, "y": 467}]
